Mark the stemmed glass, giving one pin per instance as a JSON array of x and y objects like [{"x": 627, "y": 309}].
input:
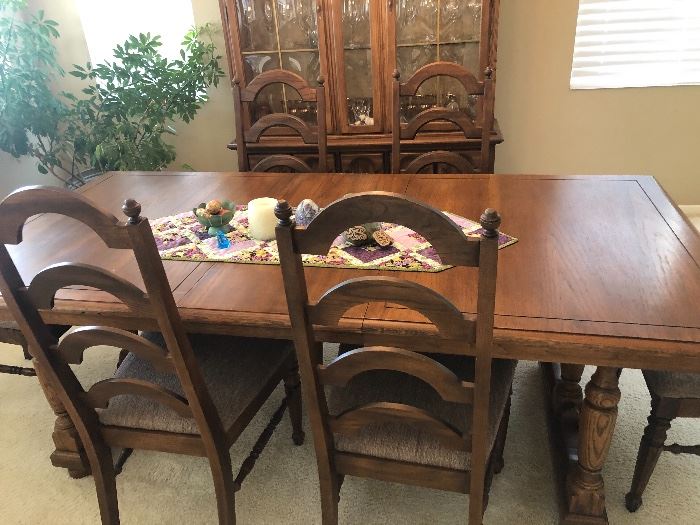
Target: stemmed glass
[{"x": 475, "y": 7}]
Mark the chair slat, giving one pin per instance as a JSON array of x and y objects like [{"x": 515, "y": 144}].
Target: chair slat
[
  {"x": 448, "y": 69},
  {"x": 46, "y": 283},
  {"x": 100, "y": 393},
  {"x": 282, "y": 120},
  {"x": 355, "y": 419},
  {"x": 72, "y": 346},
  {"x": 443, "y": 314},
  {"x": 459, "y": 162},
  {"x": 278, "y": 76},
  {"x": 448, "y": 239},
  {"x": 350, "y": 364},
  {"x": 274, "y": 162},
  {"x": 402, "y": 472},
  {"x": 26, "y": 202},
  {"x": 459, "y": 119}
]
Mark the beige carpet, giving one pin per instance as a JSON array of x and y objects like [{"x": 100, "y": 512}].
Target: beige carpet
[{"x": 163, "y": 488}]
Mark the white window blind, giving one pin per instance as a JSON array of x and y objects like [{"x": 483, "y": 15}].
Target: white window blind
[
  {"x": 107, "y": 23},
  {"x": 636, "y": 43}
]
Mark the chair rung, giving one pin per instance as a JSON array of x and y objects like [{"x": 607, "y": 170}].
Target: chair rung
[
  {"x": 17, "y": 370},
  {"x": 675, "y": 448},
  {"x": 249, "y": 462}
]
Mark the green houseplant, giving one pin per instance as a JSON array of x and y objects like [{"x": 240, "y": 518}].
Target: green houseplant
[{"x": 120, "y": 118}]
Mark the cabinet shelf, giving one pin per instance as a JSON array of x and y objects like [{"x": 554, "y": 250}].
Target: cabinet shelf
[{"x": 441, "y": 43}]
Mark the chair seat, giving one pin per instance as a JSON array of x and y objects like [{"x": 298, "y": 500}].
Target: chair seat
[
  {"x": 402, "y": 442},
  {"x": 235, "y": 369},
  {"x": 673, "y": 384}
]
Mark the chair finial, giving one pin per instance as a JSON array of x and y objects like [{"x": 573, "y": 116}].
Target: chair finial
[
  {"x": 283, "y": 211},
  {"x": 236, "y": 80},
  {"x": 132, "y": 209},
  {"x": 396, "y": 74},
  {"x": 321, "y": 80},
  {"x": 488, "y": 72},
  {"x": 490, "y": 221}
]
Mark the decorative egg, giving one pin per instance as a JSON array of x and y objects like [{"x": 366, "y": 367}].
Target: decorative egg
[
  {"x": 305, "y": 212},
  {"x": 214, "y": 207},
  {"x": 200, "y": 212}
]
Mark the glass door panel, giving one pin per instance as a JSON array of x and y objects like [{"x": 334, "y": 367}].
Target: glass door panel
[
  {"x": 280, "y": 33},
  {"x": 357, "y": 61},
  {"x": 437, "y": 30}
]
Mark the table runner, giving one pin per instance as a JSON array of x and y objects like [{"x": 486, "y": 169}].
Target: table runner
[{"x": 181, "y": 238}]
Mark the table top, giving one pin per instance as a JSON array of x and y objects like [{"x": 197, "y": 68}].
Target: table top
[{"x": 607, "y": 270}]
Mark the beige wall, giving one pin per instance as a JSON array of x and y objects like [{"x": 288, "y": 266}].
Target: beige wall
[
  {"x": 547, "y": 127},
  {"x": 550, "y": 129}
]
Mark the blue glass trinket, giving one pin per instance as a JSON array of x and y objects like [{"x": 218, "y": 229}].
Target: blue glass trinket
[{"x": 222, "y": 241}]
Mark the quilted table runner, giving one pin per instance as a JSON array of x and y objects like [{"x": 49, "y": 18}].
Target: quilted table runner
[{"x": 181, "y": 238}]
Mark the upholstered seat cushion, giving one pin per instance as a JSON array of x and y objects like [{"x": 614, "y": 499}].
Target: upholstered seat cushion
[
  {"x": 234, "y": 369},
  {"x": 401, "y": 442},
  {"x": 673, "y": 384}
]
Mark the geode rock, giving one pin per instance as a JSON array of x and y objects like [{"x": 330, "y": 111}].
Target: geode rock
[
  {"x": 305, "y": 212},
  {"x": 360, "y": 235}
]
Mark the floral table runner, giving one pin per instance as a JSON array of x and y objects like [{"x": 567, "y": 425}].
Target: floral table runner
[{"x": 181, "y": 238}]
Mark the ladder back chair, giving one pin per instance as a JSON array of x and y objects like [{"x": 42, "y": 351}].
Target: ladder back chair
[
  {"x": 172, "y": 393},
  {"x": 673, "y": 395},
  {"x": 308, "y": 134},
  {"x": 481, "y": 128},
  {"x": 388, "y": 410}
]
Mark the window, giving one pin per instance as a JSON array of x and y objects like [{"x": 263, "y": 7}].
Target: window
[
  {"x": 635, "y": 43},
  {"x": 107, "y": 23}
]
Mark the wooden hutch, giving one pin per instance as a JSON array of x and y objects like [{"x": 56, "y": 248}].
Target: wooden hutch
[{"x": 351, "y": 44}]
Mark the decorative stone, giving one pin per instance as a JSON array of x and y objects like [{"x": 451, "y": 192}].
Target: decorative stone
[
  {"x": 382, "y": 238},
  {"x": 305, "y": 212},
  {"x": 360, "y": 235}
]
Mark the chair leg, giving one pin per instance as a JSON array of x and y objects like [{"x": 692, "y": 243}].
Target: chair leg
[
  {"x": 292, "y": 388},
  {"x": 222, "y": 474},
  {"x": 25, "y": 351},
  {"x": 500, "y": 444},
  {"x": 330, "y": 494},
  {"x": 105, "y": 482},
  {"x": 650, "y": 449},
  {"x": 121, "y": 460}
]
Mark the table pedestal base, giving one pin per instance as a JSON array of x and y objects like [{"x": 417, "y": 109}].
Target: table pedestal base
[{"x": 580, "y": 433}]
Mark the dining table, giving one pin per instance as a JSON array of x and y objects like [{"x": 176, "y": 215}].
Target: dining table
[{"x": 606, "y": 272}]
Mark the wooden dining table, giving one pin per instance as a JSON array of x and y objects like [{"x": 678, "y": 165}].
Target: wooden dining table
[{"x": 606, "y": 273}]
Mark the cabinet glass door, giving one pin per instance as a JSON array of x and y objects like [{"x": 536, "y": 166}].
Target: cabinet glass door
[
  {"x": 357, "y": 69},
  {"x": 280, "y": 34},
  {"x": 437, "y": 30}
]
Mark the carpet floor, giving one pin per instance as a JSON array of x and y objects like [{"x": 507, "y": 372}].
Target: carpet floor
[{"x": 283, "y": 489}]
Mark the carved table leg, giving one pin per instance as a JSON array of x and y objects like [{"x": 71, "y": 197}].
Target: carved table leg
[
  {"x": 585, "y": 489},
  {"x": 69, "y": 453},
  {"x": 567, "y": 392}
]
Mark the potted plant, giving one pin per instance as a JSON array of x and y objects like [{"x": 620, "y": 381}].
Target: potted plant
[{"x": 121, "y": 116}]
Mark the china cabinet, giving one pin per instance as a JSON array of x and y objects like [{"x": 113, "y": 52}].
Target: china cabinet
[{"x": 356, "y": 45}]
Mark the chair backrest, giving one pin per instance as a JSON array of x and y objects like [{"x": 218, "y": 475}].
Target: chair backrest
[
  {"x": 27, "y": 301},
  {"x": 307, "y": 133},
  {"x": 457, "y": 333},
  {"x": 472, "y": 129}
]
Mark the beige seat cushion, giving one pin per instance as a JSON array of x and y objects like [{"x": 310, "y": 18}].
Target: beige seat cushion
[
  {"x": 234, "y": 369},
  {"x": 673, "y": 384},
  {"x": 401, "y": 442}
]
